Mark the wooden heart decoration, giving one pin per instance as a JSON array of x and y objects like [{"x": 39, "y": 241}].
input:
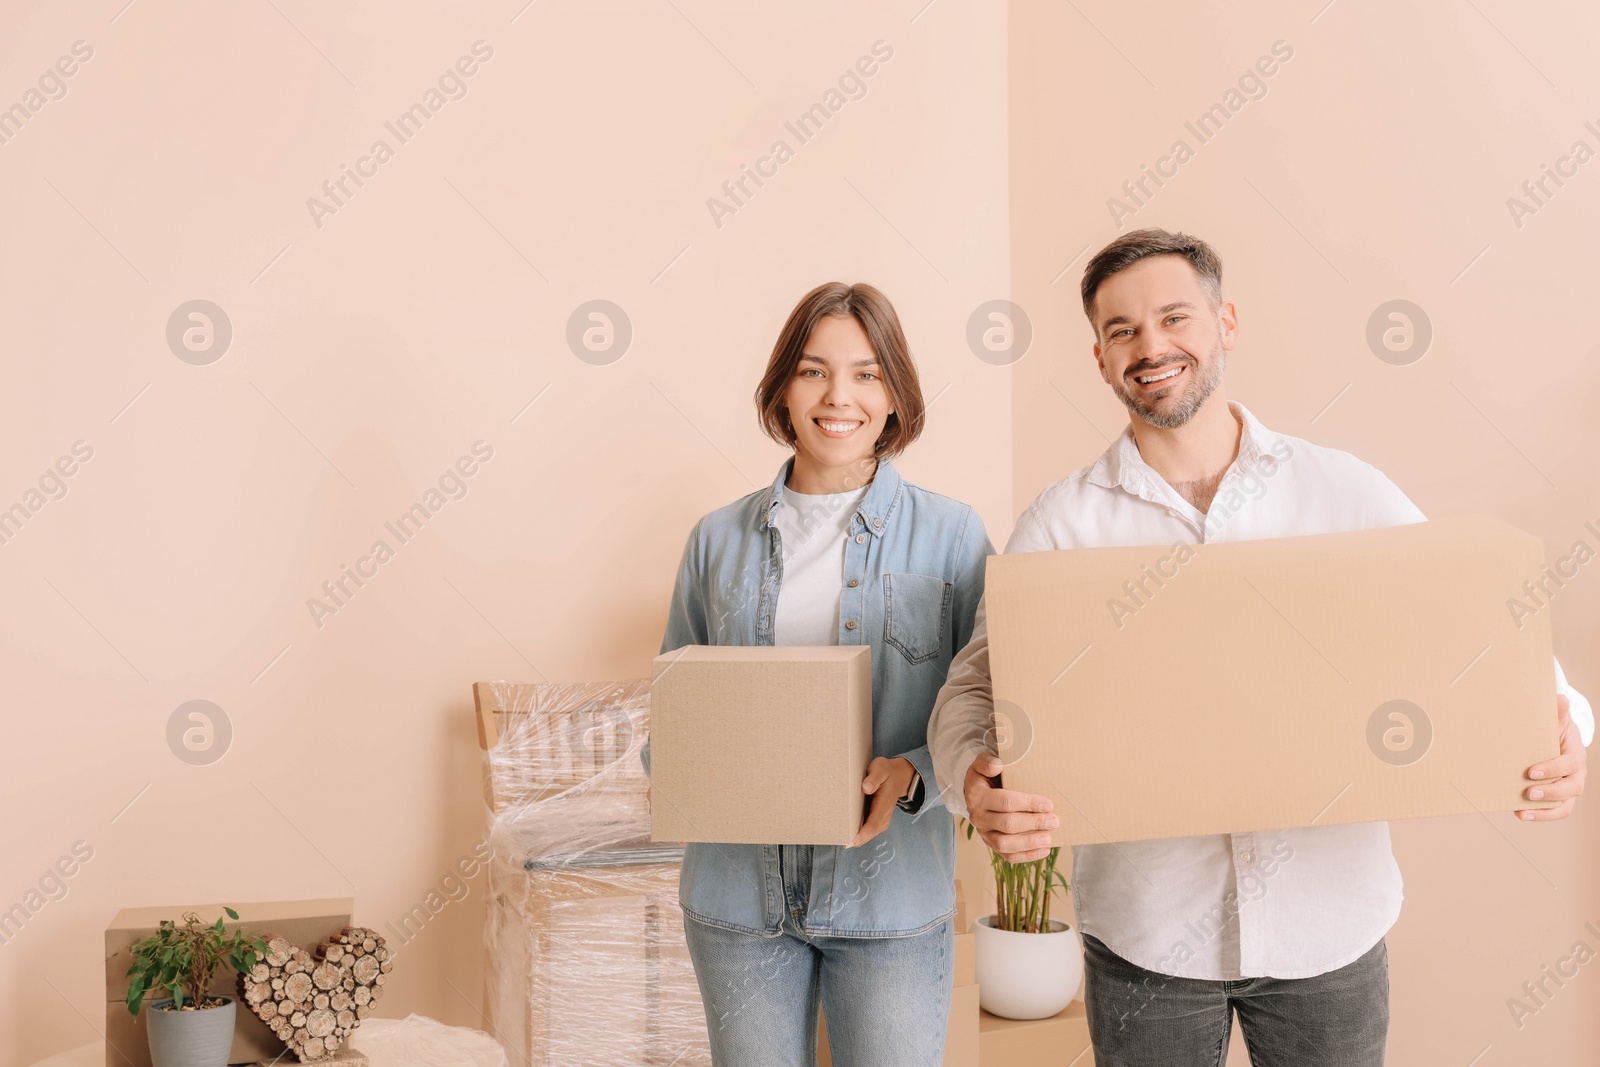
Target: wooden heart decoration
[{"x": 313, "y": 1004}]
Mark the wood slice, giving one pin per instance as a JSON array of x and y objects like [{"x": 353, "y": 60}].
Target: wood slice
[
  {"x": 321, "y": 1023},
  {"x": 326, "y": 976},
  {"x": 278, "y": 951},
  {"x": 347, "y": 1019},
  {"x": 297, "y": 988}
]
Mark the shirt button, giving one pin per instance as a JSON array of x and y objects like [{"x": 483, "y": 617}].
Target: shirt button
[
  {"x": 860, "y": 538},
  {"x": 850, "y": 624},
  {"x": 852, "y": 583},
  {"x": 1246, "y": 857},
  {"x": 877, "y": 523}
]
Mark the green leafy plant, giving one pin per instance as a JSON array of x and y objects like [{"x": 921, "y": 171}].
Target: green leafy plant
[
  {"x": 1023, "y": 891},
  {"x": 183, "y": 958}
]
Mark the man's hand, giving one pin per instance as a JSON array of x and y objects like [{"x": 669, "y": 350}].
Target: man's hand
[
  {"x": 1560, "y": 778},
  {"x": 886, "y": 782},
  {"x": 1009, "y": 821}
]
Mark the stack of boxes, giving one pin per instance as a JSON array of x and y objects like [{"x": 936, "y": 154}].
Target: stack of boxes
[{"x": 586, "y": 959}]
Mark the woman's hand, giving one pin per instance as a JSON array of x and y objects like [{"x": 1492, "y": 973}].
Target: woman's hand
[{"x": 886, "y": 782}]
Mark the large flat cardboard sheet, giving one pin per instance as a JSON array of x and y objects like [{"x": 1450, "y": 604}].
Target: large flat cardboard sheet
[{"x": 1169, "y": 691}]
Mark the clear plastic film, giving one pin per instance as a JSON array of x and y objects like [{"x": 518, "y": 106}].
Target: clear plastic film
[{"x": 587, "y": 963}]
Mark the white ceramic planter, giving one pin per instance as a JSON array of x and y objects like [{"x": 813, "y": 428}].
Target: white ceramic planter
[
  {"x": 190, "y": 1038},
  {"x": 1027, "y": 976}
]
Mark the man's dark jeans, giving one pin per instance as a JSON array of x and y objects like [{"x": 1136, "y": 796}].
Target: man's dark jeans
[{"x": 1138, "y": 1018}]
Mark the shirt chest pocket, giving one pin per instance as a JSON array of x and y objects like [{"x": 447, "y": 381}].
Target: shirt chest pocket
[{"x": 916, "y": 613}]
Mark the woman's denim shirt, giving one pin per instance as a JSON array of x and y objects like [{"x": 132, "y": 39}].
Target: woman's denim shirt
[{"x": 913, "y": 576}]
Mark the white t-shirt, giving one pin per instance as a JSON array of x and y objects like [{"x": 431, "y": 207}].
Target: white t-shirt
[{"x": 812, "y": 529}]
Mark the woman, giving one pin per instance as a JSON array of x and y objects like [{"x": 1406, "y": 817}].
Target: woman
[{"x": 839, "y": 550}]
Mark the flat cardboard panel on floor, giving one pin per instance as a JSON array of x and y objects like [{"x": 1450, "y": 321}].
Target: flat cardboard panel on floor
[
  {"x": 1057, "y": 1041},
  {"x": 306, "y": 923},
  {"x": 1338, "y": 678},
  {"x": 760, "y": 745}
]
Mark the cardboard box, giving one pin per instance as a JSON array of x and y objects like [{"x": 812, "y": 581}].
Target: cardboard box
[
  {"x": 1339, "y": 678},
  {"x": 1058, "y": 1041},
  {"x": 760, "y": 745},
  {"x": 306, "y": 923},
  {"x": 961, "y": 1041},
  {"x": 966, "y": 959}
]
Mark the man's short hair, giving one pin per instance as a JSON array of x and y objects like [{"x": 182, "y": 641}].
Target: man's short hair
[{"x": 1132, "y": 247}]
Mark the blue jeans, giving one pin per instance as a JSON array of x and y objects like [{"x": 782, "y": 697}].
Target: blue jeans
[
  {"x": 1138, "y": 1018},
  {"x": 887, "y": 999}
]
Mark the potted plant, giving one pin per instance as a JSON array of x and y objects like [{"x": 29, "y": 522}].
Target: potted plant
[
  {"x": 189, "y": 1028},
  {"x": 1029, "y": 965}
]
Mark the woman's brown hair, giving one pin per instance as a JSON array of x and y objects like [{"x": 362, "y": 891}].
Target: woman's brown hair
[{"x": 877, "y": 318}]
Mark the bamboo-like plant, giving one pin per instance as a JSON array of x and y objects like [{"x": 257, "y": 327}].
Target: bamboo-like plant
[
  {"x": 1023, "y": 890},
  {"x": 177, "y": 958}
]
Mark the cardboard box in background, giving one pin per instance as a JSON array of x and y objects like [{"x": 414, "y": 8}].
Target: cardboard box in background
[
  {"x": 760, "y": 745},
  {"x": 306, "y": 923},
  {"x": 1059, "y": 1041},
  {"x": 1255, "y": 680}
]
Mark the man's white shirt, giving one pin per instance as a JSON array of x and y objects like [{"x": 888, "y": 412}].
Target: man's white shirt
[{"x": 1280, "y": 903}]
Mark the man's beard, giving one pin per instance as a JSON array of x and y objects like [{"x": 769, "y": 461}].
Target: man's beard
[{"x": 1181, "y": 409}]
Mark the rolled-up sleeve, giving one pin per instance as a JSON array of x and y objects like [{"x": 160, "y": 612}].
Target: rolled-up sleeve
[{"x": 961, "y": 727}]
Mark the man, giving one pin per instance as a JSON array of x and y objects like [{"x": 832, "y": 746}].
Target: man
[{"x": 1174, "y": 941}]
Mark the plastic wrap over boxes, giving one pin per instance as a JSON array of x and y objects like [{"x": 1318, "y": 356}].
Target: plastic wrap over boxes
[{"x": 586, "y": 956}]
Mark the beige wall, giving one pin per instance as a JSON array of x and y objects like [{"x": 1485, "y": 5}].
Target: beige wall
[
  {"x": 1376, "y": 167},
  {"x": 372, "y": 355},
  {"x": 372, "y": 351}
]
